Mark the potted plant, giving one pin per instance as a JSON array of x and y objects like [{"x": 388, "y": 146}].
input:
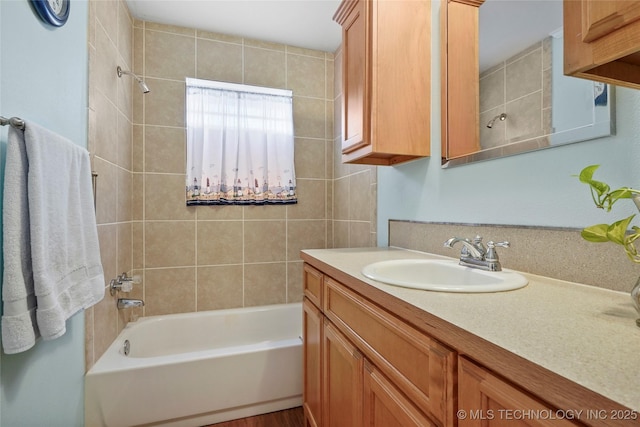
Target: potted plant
[{"x": 619, "y": 231}]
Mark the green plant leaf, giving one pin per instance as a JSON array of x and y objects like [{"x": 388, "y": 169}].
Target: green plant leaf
[
  {"x": 596, "y": 233},
  {"x": 630, "y": 247},
  {"x": 632, "y": 252},
  {"x": 586, "y": 174},
  {"x": 603, "y": 197},
  {"x": 621, "y": 193},
  {"x": 600, "y": 187},
  {"x": 599, "y": 190},
  {"x": 617, "y": 231}
]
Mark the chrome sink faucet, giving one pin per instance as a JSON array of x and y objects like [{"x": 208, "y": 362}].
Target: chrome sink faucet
[{"x": 475, "y": 255}]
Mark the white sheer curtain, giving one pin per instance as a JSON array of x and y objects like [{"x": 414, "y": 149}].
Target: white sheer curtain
[{"x": 239, "y": 144}]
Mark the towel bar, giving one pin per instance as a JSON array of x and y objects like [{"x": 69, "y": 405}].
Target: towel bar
[
  {"x": 94, "y": 183},
  {"x": 13, "y": 121},
  {"x": 18, "y": 123}
]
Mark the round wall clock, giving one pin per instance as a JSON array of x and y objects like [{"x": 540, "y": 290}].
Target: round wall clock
[{"x": 54, "y": 12}]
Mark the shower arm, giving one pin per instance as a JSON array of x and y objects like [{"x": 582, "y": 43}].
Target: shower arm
[
  {"x": 141, "y": 83},
  {"x": 121, "y": 72},
  {"x": 502, "y": 118}
]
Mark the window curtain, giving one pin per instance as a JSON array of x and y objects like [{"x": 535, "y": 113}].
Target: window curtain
[{"x": 239, "y": 144}]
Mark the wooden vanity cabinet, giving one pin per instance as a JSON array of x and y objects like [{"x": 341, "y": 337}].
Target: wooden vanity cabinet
[
  {"x": 422, "y": 368},
  {"x": 356, "y": 393},
  {"x": 384, "y": 405},
  {"x": 488, "y": 401},
  {"x": 342, "y": 383},
  {"x": 602, "y": 41},
  {"x": 386, "y": 80},
  {"x": 376, "y": 370},
  {"x": 374, "y": 361},
  {"x": 312, "y": 355},
  {"x": 313, "y": 336}
]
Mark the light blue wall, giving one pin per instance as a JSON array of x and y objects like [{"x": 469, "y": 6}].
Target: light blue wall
[
  {"x": 43, "y": 78},
  {"x": 528, "y": 189}
]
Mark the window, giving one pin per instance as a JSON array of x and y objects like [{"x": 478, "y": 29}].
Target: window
[{"x": 239, "y": 144}]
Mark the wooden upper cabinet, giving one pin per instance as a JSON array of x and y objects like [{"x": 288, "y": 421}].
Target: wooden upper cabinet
[
  {"x": 600, "y": 18},
  {"x": 386, "y": 79},
  {"x": 354, "y": 46},
  {"x": 602, "y": 41},
  {"x": 460, "y": 87}
]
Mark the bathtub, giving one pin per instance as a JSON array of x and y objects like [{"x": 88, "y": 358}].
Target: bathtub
[{"x": 199, "y": 368}]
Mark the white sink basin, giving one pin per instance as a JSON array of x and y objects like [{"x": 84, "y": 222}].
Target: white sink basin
[{"x": 442, "y": 276}]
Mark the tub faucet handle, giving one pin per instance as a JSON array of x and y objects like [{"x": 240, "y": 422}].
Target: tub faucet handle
[
  {"x": 135, "y": 279},
  {"x": 123, "y": 283}
]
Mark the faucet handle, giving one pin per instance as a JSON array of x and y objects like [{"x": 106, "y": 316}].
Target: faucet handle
[
  {"x": 123, "y": 283},
  {"x": 492, "y": 255},
  {"x": 492, "y": 244}
]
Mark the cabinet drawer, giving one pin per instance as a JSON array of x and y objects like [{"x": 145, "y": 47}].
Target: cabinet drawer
[
  {"x": 312, "y": 283},
  {"x": 421, "y": 367},
  {"x": 491, "y": 402}
]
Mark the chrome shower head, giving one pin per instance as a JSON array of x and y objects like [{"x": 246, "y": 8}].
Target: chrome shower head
[
  {"x": 141, "y": 83},
  {"x": 143, "y": 86},
  {"x": 502, "y": 117}
]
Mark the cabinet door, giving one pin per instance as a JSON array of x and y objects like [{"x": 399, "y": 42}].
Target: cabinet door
[
  {"x": 342, "y": 387},
  {"x": 355, "y": 99},
  {"x": 386, "y": 406},
  {"x": 386, "y": 92},
  {"x": 487, "y": 401},
  {"x": 602, "y": 41},
  {"x": 312, "y": 355},
  {"x": 600, "y": 18},
  {"x": 421, "y": 367}
]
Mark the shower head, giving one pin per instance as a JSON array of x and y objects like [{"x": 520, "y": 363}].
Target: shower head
[
  {"x": 141, "y": 83},
  {"x": 502, "y": 117}
]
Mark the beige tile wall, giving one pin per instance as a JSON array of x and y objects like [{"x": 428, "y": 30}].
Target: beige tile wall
[
  {"x": 521, "y": 87},
  {"x": 355, "y": 187},
  {"x": 202, "y": 258},
  {"x": 209, "y": 257},
  {"x": 110, "y": 43}
]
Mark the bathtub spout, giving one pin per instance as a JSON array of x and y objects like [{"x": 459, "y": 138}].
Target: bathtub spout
[{"x": 128, "y": 303}]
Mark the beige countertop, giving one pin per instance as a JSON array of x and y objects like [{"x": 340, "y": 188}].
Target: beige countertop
[{"x": 583, "y": 333}]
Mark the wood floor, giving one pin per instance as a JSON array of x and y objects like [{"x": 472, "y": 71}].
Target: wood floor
[{"x": 288, "y": 418}]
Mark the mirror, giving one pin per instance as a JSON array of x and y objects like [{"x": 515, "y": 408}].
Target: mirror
[{"x": 503, "y": 89}]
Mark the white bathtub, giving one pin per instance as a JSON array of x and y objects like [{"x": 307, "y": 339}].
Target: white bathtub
[{"x": 199, "y": 368}]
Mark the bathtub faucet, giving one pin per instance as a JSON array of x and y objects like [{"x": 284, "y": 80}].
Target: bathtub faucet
[{"x": 128, "y": 303}]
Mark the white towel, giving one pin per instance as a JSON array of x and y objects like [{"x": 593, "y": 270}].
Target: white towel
[
  {"x": 64, "y": 257},
  {"x": 19, "y": 327}
]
